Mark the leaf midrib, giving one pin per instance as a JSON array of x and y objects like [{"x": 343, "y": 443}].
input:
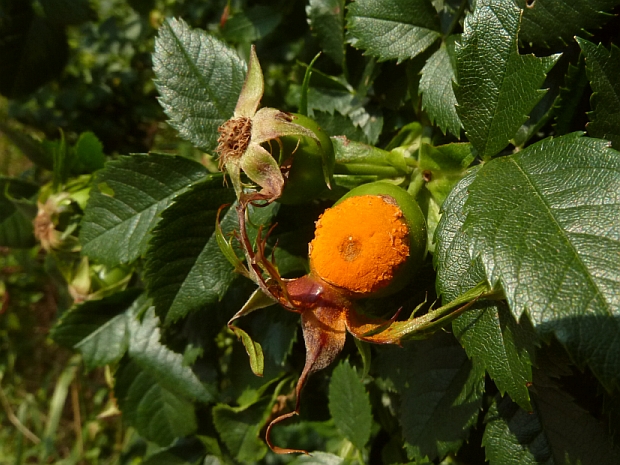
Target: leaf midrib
[{"x": 538, "y": 195}]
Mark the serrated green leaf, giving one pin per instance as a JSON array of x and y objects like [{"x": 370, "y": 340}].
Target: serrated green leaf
[
  {"x": 337, "y": 124},
  {"x": 603, "y": 69},
  {"x": 199, "y": 79},
  {"x": 251, "y": 25},
  {"x": 158, "y": 414},
  {"x": 185, "y": 268},
  {"x": 441, "y": 393},
  {"x": 349, "y": 405},
  {"x": 567, "y": 104},
  {"x": 555, "y": 22},
  {"x": 438, "y": 98},
  {"x": 15, "y": 229},
  {"x": 125, "y": 202},
  {"x": 240, "y": 428},
  {"x": 161, "y": 363},
  {"x": 326, "y": 19},
  {"x": 497, "y": 87},
  {"x": 98, "y": 328},
  {"x": 392, "y": 29},
  {"x": 545, "y": 224},
  {"x": 514, "y": 436},
  {"x": 488, "y": 334}
]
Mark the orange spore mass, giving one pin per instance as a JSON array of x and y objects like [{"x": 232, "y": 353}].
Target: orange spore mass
[{"x": 360, "y": 244}]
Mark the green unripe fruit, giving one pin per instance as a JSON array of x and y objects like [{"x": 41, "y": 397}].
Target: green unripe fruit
[{"x": 312, "y": 163}]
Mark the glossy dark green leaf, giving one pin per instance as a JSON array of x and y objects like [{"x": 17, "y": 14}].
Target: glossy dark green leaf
[
  {"x": 98, "y": 328},
  {"x": 349, "y": 405},
  {"x": 489, "y": 332},
  {"x": 240, "y": 429},
  {"x": 326, "y": 19},
  {"x": 497, "y": 87},
  {"x": 603, "y": 68},
  {"x": 125, "y": 202},
  {"x": 555, "y": 22},
  {"x": 185, "y": 268},
  {"x": 158, "y": 414},
  {"x": 436, "y": 88},
  {"x": 441, "y": 393},
  {"x": 162, "y": 364},
  {"x": 392, "y": 29},
  {"x": 545, "y": 224},
  {"x": 199, "y": 79},
  {"x": 187, "y": 451}
]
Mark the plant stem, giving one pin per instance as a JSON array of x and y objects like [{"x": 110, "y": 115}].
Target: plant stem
[
  {"x": 14, "y": 420},
  {"x": 457, "y": 17}
]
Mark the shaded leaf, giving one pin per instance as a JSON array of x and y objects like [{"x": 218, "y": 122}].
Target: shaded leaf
[
  {"x": 158, "y": 414},
  {"x": 555, "y": 22},
  {"x": 15, "y": 229},
  {"x": 568, "y": 103},
  {"x": 318, "y": 458},
  {"x": 349, "y": 405},
  {"x": 603, "y": 68},
  {"x": 185, "y": 268},
  {"x": 544, "y": 222},
  {"x": 497, "y": 87},
  {"x": 162, "y": 364},
  {"x": 253, "y": 349},
  {"x": 125, "y": 202},
  {"x": 392, "y": 29},
  {"x": 441, "y": 393},
  {"x": 252, "y": 24},
  {"x": 33, "y": 50},
  {"x": 98, "y": 328},
  {"x": 240, "y": 428},
  {"x": 199, "y": 79},
  {"x": 436, "y": 88},
  {"x": 326, "y": 19}
]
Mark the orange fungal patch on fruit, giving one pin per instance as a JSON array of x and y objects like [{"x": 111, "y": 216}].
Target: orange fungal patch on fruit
[{"x": 360, "y": 244}]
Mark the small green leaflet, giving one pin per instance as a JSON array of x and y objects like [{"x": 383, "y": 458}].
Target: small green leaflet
[
  {"x": 436, "y": 88},
  {"x": 326, "y": 18},
  {"x": 125, "y": 202},
  {"x": 555, "y": 22},
  {"x": 158, "y": 414},
  {"x": 253, "y": 349},
  {"x": 603, "y": 69},
  {"x": 545, "y": 224},
  {"x": 568, "y": 102},
  {"x": 349, "y": 405},
  {"x": 392, "y": 29},
  {"x": 497, "y": 88},
  {"x": 489, "y": 335},
  {"x": 199, "y": 79}
]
